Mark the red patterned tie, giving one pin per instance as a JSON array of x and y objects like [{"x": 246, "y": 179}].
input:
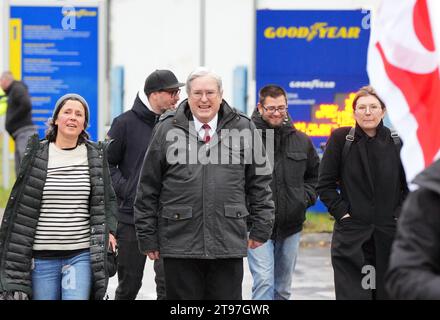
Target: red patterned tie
[{"x": 206, "y": 137}]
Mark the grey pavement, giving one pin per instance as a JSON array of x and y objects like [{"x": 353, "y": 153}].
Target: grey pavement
[{"x": 312, "y": 279}]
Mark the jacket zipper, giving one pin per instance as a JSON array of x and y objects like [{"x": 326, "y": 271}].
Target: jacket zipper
[
  {"x": 203, "y": 202},
  {"x": 203, "y": 180},
  {"x": 106, "y": 227}
]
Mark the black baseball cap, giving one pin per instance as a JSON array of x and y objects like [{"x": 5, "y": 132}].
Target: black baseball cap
[{"x": 161, "y": 80}]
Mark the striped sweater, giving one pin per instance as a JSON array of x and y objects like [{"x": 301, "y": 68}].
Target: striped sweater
[{"x": 64, "y": 222}]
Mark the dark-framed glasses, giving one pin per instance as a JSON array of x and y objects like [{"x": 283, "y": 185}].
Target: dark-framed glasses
[
  {"x": 173, "y": 92},
  {"x": 272, "y": 109}
]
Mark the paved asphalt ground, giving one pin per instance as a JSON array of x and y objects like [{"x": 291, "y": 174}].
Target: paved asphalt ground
[{"x": 312, "y": 279}]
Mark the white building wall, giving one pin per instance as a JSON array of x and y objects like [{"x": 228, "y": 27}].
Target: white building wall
[
  {"x": 146, "y": 35},
  {"x": 229, "y": 39},
  {"x": 149, "y": 35},
  {"x": 3, "y": 34}
]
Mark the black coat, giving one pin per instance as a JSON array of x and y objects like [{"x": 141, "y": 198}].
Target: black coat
[
  {"x": 294, "y": 177},
  {"x": 188, "y": 209},
  {"x": 370, "y": 185},
  {"x": 19, "y": 112},
  {"x": 414, "y": 270},
  {"x": 131, "y": 133},
  {"x": 23, "y": 209},
  {"x": 371, "y": 180}
]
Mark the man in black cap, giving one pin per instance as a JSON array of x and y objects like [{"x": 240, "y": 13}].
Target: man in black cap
[{"x": 131, "y": 133}]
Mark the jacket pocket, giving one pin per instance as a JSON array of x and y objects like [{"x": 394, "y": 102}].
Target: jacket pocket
[
  {"x": 178, "y": 227},
  {"x": 177, "y": 213},
  {"x": 295, "y": 167},
  {"x": 235, "y": 228},
  {"x": 236, "y": 211}
]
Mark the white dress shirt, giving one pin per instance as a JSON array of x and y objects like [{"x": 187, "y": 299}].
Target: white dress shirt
[{"x": 198, "y": 126}]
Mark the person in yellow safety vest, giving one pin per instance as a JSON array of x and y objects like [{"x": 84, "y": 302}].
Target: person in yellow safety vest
[{"x": 3, "y": 102}]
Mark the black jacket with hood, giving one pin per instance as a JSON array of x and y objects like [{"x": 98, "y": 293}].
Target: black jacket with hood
[
  {"x": 131, "y": 133},
  {"x": 294, "y": 176}
]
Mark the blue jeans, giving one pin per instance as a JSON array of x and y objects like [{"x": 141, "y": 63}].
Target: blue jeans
[
  {"x": 62, "y": 279},
  {"x": 272, "y": 266}
]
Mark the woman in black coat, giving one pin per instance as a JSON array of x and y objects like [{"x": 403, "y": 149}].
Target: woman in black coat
[
  {"x": 362, "y": 183},
  {"x": 60, "y": 216}
]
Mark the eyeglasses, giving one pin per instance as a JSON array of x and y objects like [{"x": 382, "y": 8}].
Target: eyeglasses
[
  {"x": 173, "y": 93},
  {"x": 200, "y": 94},
  {"x": 372, "y": 108},
  {"x": 272, "y": 109}
]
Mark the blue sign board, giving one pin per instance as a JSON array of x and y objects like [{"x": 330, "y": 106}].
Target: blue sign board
[
  {"x": 316, "y": 56},
  {"x": 58, "y": 54},
  {"x": 319, "y": 58}
]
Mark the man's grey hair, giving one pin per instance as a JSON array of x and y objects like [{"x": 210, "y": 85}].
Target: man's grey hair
[{"x": 203, "y": 72}]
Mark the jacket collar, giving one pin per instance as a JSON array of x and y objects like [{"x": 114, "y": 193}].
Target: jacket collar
[
  {"x": 362, "y": 141},
  {"x": 380, "y": 131},
  {"x": 141, "y": 110}
]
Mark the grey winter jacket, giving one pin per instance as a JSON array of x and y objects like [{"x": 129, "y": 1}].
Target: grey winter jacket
[
  {"x": 187, "y": 209},
  {"x": 23, "y": 209}
]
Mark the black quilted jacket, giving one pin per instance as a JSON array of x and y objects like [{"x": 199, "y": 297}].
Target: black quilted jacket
[{"x": 22, "y": 213}]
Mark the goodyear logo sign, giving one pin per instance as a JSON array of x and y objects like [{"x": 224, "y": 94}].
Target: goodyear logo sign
[
  {"x": 321, "y": 30},
  {"x": 71, "y": 12}
]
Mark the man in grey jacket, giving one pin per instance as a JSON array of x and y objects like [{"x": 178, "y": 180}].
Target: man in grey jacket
[{"x": 196, "y": 190}]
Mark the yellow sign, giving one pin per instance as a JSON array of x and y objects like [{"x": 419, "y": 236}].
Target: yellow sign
[
  {"x": 333, "y": 117},
  {"x": 319, "y": 30},
  {"x": 15, "y": 34},
  {"x": 15, "y": 47},
  {"x": 3, "y": 102}
]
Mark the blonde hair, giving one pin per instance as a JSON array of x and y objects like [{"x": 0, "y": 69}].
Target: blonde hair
[{"x": 364, "y": 92}]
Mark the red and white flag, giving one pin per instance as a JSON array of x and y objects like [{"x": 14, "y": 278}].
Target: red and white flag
[{"x": 403, "y": 66}]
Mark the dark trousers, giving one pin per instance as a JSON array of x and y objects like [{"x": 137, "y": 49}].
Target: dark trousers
[
  {"x": 203, "y": 279},
  {"x": 360, "y": 254},
  {"x": 131, "y": 264}
]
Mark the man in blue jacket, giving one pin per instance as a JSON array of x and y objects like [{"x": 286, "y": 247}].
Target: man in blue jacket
[{"x": 131, "y": 133}]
